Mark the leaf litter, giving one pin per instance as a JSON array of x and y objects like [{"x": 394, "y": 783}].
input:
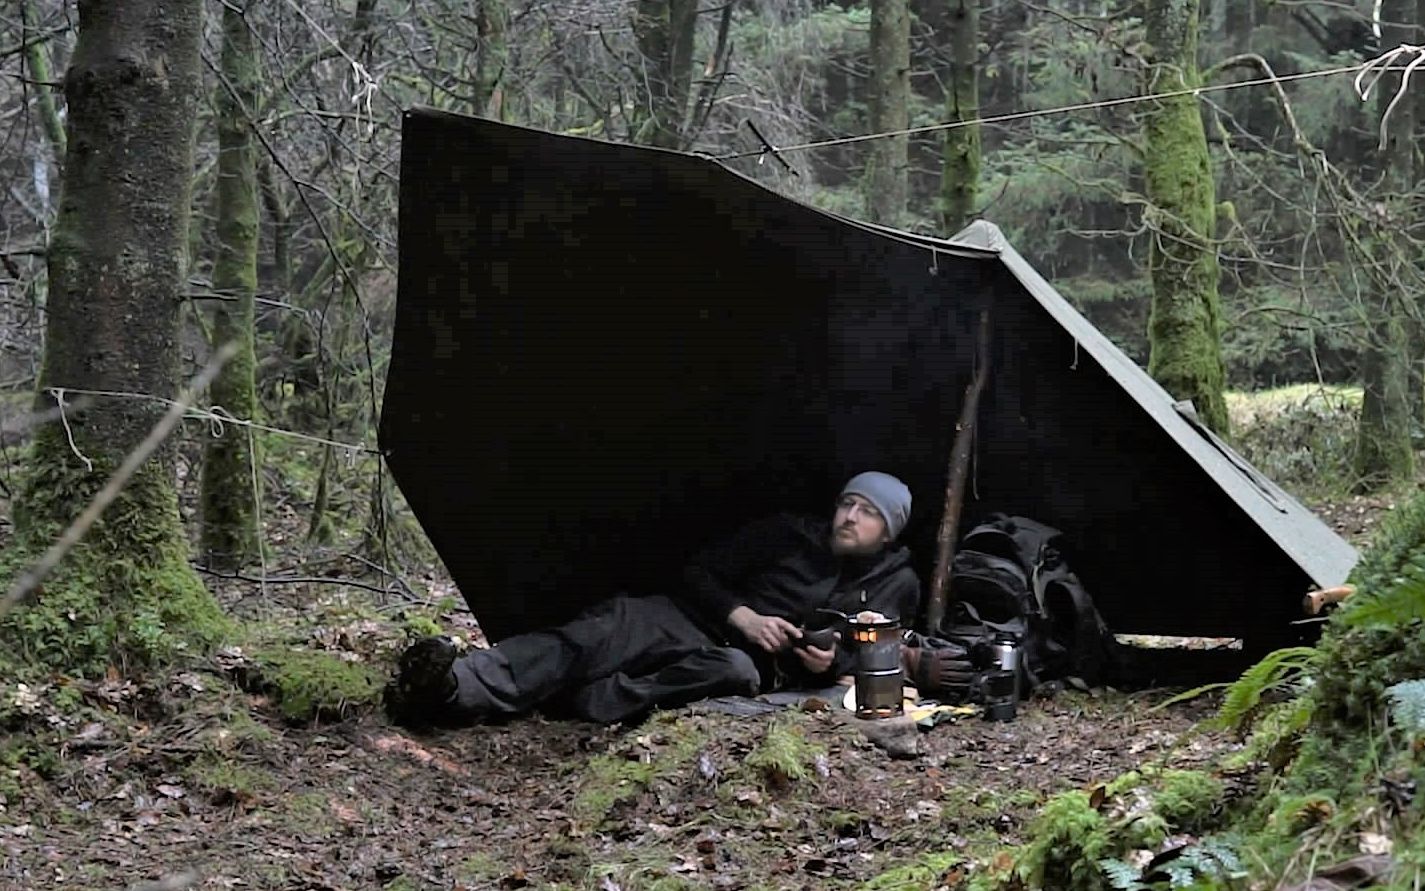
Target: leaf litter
[{"x": 359, "y": 804}]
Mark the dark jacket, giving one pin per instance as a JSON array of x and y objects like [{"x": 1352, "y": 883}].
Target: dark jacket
[{"x": 783, "y": 566}]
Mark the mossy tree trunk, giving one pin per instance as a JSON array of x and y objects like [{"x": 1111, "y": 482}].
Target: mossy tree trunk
[
  {"x": 890, "y": 111},
  {"x": 959, "y": 183},
  {"x": 1383, "y": 449},
  {"x": 664, "y": 30},
  {"x": 230, "y": 478},
  {"x": 1417, "y": 327},
  {"x": 116, "y": 268},
  {"x": 1184, "y": 327},
  {"x": 491, "y": 56},
  {"x": 37, "y": 61}
]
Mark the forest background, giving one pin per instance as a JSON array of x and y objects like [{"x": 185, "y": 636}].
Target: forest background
[{"x": 180, "y": 177}]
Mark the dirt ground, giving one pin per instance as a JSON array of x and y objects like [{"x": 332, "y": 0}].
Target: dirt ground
[
  {"x": 194, "y": 781},
  {"x": 187, "y": 780}
]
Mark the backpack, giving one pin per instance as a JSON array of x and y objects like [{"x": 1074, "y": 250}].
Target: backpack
[{"x": 1010, "y": 579}]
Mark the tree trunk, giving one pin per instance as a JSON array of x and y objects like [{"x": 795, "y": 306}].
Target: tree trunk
[
  {"x": 1383, "y": 451},
  {"x": 491, "y": 56},
  {"x": 1184, "y": 327},
  {"x": 959, "y": 183},
  {"x": 39, "y": 70},
  {"x": 1417, "y": 326},
  {"x": 1383, "y": 448},
  {"x": 664, "y": 30},
  {"x": 319, "y": 527},
  {"x": 890, "y": 98},
  {"x": 116, "y": 270},
  {"x": 230, "y": 478}
]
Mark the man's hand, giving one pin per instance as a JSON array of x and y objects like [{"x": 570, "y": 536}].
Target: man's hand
[
  {"x": 816, "y": 661},
  {"x": 771, "y": 633}
]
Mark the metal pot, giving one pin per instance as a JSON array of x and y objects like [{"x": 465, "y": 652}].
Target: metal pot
[{"x": 878, "y": 676}]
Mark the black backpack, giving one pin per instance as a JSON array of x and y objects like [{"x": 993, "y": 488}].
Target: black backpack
[{"x": 1009, "y": 579}]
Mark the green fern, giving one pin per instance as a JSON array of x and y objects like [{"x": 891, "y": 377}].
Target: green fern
[
  {"x": 1276, "y": 671},
  {"x": 1212, "y": 858},
  {"x": 1407, "y": 705},
  {"x": 1188, "y": 695},
  {"x": 1399, "y": 603},
  {"x": 1208, "y": 859},
  {"x": 1121, "y": 876}
]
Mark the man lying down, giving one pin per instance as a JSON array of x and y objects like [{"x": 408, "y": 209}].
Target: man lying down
[{"x": 737, "y": 626}]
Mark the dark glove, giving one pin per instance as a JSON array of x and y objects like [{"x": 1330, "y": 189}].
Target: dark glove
[{"x": 944, "y": 673}]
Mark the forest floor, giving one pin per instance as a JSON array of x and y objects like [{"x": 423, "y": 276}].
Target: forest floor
[
  {"x": 197, "y": 777},
  {"x": 189, "y": 778}
]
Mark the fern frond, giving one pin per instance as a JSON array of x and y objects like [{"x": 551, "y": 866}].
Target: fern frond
[
  {"x": 1223, "y": 853},
  {"x": 1121, "y": 876},
  {"x": 1186, "y": 695},
  {"x": 1407, "y": 704},
  {"x": 1395, "y": 605},
  {"x": 1272, "y": 672},
  {"x": 1180, "y": 874}
]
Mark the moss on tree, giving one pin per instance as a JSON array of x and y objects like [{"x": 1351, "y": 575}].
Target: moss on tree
[
  {"x": 888, "y": 167},
  {"x": 1383, "y": 449},
  {"x": 1185, "y": 325},
  {"x": 116, "y": 266},
  {"x": 126, "y": 593},
  {"x": 960, "y": 177},
  {"x": 230, "y": 482}
]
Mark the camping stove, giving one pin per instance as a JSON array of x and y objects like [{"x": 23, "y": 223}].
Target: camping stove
[{"x": 878, "y": 667}]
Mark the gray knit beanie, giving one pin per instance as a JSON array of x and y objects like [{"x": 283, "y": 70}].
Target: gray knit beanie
[{"x": 888, "y": 494}]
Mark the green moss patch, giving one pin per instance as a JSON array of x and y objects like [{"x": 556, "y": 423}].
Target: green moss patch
[
  {"x": 125, "y": 594},
  {"x": 620, "y": 775},
  {"x": 784, "y": 754},
  {"x": 312, "y": 685},
  {"x": 925, "y": 872}
]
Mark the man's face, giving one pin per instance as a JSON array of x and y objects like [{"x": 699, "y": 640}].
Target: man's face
[{"x": 857, "y": 528}]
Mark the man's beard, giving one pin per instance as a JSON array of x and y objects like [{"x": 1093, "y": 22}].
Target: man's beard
[{"x": 849, "y": 546}]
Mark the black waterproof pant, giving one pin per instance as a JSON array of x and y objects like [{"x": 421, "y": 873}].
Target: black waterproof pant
[{"x": 620, "y": 659}]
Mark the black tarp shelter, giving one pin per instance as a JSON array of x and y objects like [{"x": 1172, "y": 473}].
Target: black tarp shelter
[{"x": 605, "y": 355}]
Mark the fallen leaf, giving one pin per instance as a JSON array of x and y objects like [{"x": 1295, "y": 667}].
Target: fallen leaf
[
  {"x": 685, "y": 865},
  {"x": 1375, "y": 843},
  {"x": 1097, "y": 795},
  {"x": 170, "y": 790},
  {"x": 392, "y": 743},
  {"x": 345, "y": 812}
]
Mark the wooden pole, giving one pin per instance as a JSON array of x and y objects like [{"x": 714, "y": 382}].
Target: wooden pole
[{"x": 955, "y": 486}]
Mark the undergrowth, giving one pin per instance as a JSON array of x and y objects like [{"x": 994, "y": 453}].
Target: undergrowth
[
  {"x": 784, "y": 754},
  {"x": 1301, "y": 437},
  {"x": 615, "y": 777},
  {"x": 1333, "y": 756}
]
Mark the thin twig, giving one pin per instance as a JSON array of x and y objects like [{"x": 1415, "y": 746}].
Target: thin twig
[
  {"x": 178, "y": 882},
  {"x": 301, "y": 580},
  {"x": 36, "y": 574}
]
